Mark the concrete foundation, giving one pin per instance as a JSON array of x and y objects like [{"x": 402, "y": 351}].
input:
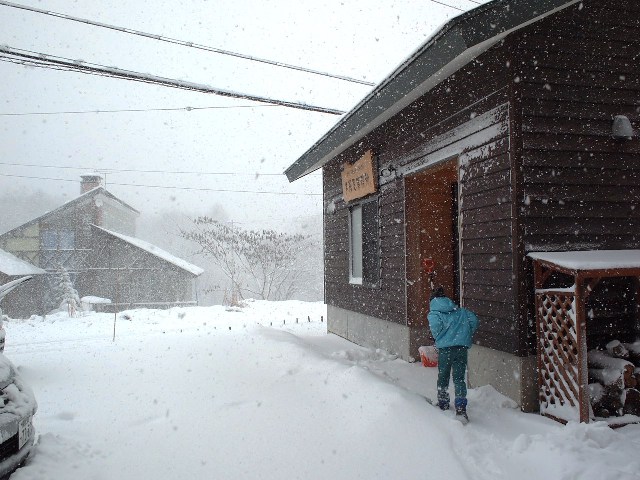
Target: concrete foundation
[
  {"x": 373, "y": 332},
  {"x": 515, "y": 377}
]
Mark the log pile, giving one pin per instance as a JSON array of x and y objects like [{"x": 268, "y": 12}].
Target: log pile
[{"x": 614, "y": 380}]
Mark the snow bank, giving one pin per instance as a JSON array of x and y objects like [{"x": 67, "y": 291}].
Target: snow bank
[{"x": 204, "y": 393}]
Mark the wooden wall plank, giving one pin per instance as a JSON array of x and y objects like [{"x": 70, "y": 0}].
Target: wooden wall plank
[{"x": 577, "y": 70}]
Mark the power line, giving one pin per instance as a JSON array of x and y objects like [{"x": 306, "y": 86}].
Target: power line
[
  {"x": 185, "y": 109},
  {"x": 434, "y": 1},
  {"x": 132, "y": 170},
  {"x": 36, "y": 59},
  {"x": 193, "y": 189},
  {"x": 184, "y": 43}
]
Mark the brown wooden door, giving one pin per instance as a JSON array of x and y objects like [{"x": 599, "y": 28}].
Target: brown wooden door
[{"x": 432, "y": 232}]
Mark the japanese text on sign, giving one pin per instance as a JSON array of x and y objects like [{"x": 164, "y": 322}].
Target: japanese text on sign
[{"x": 358, "y": 179}]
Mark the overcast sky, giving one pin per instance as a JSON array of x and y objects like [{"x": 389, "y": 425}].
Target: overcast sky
[{"x": 358, "y": 38}]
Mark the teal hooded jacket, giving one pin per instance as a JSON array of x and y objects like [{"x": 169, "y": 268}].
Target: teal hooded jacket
[{"x": 451, "y": 326}]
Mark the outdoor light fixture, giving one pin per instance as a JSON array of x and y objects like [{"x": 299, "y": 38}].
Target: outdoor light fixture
[
  {"x": 621, "y": 128},
  {"x": 388, "y": 172},
  {"x": 331, "y": 207}
]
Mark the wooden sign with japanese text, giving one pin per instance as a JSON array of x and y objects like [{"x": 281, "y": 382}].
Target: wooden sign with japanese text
[{"x": 359, "y": 178}]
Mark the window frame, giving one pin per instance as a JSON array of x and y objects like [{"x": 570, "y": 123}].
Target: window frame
[
  {"x": 353, "y": 278},
  {"x": 52, "y": 239},
  {"x": 369, "y": 237}
]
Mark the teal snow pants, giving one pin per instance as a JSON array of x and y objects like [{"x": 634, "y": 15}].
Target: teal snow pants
[{"x": 452, "y": 360}]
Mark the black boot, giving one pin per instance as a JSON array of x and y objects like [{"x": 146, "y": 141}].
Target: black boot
[
  {"x": 443, "y": 400},
  {"x": 462, "y": 412},
  {"x": 461, "y": 409}
]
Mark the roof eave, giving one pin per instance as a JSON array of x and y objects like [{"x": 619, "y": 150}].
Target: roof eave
[
  {"x": 449, "y": 49},
  {"x": 71, "y": 204}
]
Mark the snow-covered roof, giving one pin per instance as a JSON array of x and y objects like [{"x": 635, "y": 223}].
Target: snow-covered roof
[
  {"x": 13, "y": 266},
  {"x": 90, "y": 193},
  {"x": 449, "y": 49},
  {"x": 95, "y": 300},
  {"x": 591, "y": 260},
  {"x": 158, "y": 252}
]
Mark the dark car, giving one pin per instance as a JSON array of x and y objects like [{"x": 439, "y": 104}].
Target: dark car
[
  {"x": 17, "y": 408},
  {"x": 4, "y": 290}
]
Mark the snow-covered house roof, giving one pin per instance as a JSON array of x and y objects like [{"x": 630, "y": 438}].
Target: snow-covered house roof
[
  {"x": 76, "y": 201},
  {"x": 13, "y": 266},
  {"x": 156, "y": 251},
  {"x": 453, "y": 46},
  {"x": 591, "y": 260}
]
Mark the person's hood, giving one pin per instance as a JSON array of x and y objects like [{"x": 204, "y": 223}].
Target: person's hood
[{"x": 442, "y": 304}]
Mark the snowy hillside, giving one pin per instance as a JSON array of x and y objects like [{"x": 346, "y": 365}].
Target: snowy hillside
[{"x": 205, "y": 393}]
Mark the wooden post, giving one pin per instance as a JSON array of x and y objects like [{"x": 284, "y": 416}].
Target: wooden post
[
  {"x": 636, "y": 293},
  {"x": 581, "y": 334},
  {"x": 537, "y": 271}
]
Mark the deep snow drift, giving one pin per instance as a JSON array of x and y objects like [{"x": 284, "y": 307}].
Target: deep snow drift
[{"x": 205, "y": 393}]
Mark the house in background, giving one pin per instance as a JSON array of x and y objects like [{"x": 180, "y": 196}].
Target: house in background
[
  {"x": 92, "y": 237},
  {"x": 509, "y": 131}
]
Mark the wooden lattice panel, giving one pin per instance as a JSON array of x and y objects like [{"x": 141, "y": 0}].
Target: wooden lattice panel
[{"x": 558, "y": 357}]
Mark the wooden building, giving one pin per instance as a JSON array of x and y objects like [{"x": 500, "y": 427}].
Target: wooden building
[
  {"x": 92, "y": 238},
  {"x": 511, "y": 130}
]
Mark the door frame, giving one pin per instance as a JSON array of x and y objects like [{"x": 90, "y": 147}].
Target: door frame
[{"x": 435, "y": 182}]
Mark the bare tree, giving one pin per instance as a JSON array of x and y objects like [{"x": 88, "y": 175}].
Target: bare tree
[
  {"x": 220, "y": 242},
  {"x": 259, "y": 263},
  {"x": 269, "y": 258}
]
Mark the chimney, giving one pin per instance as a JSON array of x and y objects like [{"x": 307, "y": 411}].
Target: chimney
[{"x": 89, "y": 182}]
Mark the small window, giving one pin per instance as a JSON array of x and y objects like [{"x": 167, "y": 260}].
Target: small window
[
  {"x": 355, "y": 242},
  {"x": 364, "y": 255},
  {"x": 58, "y": 239},
  {"x": 49, "y": 239},
  {"x": 67, "y": 240}
]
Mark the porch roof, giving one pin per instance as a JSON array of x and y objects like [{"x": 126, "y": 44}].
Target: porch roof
[
  {"x": 454, "y": 45},
  {"x": 591, "y": 259},
  {"x": 13, "y": 266}
]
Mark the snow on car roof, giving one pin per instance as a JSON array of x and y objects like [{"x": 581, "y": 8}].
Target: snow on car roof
[
  {"x": 158, "y": 252},
  {"x": 12, "y": 266},
  {"x": 591, "y": 259}
]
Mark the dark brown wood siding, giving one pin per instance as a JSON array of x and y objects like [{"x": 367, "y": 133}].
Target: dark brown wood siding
[
  {"x": 576, "y": 71},
  {"x": 387, "y": 299},
  {"x": 467, "y": 116},
  {"x": 486, "y": 235}
]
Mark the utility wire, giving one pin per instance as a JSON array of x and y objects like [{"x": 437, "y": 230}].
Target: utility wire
[
  {"x": 36, "y": 59},
  {"x": 184, "y": 109},
  {"x": 184, "y": 43},
  {"x": 192, "y": 189},
  {"x": 132, "y": 170},
  {"x": 434, "y": 1}
]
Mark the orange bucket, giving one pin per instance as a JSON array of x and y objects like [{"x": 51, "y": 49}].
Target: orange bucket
[{"x": 428, "y": 356}]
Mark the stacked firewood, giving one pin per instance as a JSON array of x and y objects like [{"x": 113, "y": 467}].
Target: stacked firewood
[{"x": 614, "y": 379}]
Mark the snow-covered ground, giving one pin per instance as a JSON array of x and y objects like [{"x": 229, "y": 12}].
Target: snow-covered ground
[{"x": 204, "y": 393}]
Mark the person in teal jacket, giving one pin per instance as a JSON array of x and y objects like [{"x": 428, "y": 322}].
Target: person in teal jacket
[{"x": 453, "y": 328}]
